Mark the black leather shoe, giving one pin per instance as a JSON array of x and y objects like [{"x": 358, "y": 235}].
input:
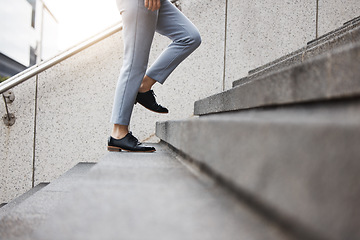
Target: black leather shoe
[
  {"x": 128, "y": 143},
  {"x": 147, "y": 99}
]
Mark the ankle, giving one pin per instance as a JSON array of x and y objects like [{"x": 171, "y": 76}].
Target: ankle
[
  {"x": 118, "y": 136},
  {"x": 143, "y": 88},
  {"x": 119, "y": 131},
  {"x": 146, "y": 84}
]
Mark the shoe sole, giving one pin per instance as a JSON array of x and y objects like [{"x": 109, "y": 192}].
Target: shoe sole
[
  {"x": 152, "y": 110},
  {"x": 117, "y": 149}
]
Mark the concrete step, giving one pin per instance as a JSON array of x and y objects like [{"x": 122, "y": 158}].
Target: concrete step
[
  {"x": 11, "y": 205},
  {"x": 349, "y": 33},
  {"x": 24, "y": 217},
  {"x": 330, "y": 76},
  {"x": 352, "y": 21},
  {"x": 153, "y": 196},
  {"x": 300, "y": 161}
]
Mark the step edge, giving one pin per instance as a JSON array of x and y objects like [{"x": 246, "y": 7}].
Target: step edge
[
  {"x": 323, "y": 58},
  {"x": 310, "y": 46},
  {"x": 18, "y": 200},
  {"x": 162, "y": 134}
]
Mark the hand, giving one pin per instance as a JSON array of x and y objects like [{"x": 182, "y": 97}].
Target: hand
[{"x": 152, "y": 5}]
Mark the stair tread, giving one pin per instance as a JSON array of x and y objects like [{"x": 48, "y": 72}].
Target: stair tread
[
  {"x": 347, "y": 34},
  {"x": 290, "y": 158},
  {"x": 8, "y": 207},
  {"x": 151, "y": 196},
  {"x": 21, "y": 220},
  {"x": 327, "y": 77}
]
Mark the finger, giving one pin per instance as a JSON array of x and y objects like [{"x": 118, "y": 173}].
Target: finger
[
  {"x": 146, "y": 3},
  {"x": 150, "y": 6},
  {"x": 158, "y": 4},
  {"x": 155, "y": 5}
]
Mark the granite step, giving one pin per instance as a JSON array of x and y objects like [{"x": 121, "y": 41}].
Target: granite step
[
  {"x": 331, "y": 76},
  {"x": 11, "y": 205},
  {"x": 153, "y": 196},
  {"x": 24, "y": 217},
  {"x": 348, "y": 33},
  {"x": 301, "y": 161},
  {"x": 352, "y": 21}
]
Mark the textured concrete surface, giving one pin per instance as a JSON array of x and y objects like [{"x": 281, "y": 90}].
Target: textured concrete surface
[
  {"x": 346, "y": 27},
  {"x": 330, "y": 76},
  {"x": 151, "y": 196},
  {"x": 300, "y": 161},
  {"x": 25, "y": 217},
  {"x": 76, "y": 96},
  {"x": 74, "y": 107},
  {"x": 261, "y": 31},
  {"x": 11, "y": 205},
  {"x": 334, "y": 13},
  {"x": 75, "y": 101},
  {"x": 325, "y": 44},
  {"x": 16, "y": 148}
]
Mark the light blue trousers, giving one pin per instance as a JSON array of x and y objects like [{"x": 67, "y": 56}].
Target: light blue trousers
[{"x": 139, "y": 26}]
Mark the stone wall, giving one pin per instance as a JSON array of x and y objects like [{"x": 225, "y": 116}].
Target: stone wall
[
  {"x": 262, "y": 31},
  {"x": 63, "y": 113}
]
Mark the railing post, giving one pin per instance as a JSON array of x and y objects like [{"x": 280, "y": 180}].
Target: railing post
[{"x": 8, "y": 118}]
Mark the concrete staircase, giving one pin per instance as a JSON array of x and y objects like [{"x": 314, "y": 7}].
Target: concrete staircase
[
  {"x": 347, "y": 34},
  {"x": 137, "y": 196},
  {"x": 20, "y": 217},
  {"x": 286, "y": 138},
  {"x": 275, "y": 157},
  {"x": 325, "y": 69},
  {"x": 10, "y": 206}
]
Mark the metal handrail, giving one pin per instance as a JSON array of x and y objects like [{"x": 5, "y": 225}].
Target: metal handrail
[{"x": 42, "y": 66}]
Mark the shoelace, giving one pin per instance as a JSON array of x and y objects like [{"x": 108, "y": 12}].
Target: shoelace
[
  {"x": 134, "y": 139},
  {"x": 153, "y": 93}
]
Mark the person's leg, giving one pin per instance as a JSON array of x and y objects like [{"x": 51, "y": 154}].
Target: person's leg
[
  {"x": 139, "y": 26},
  {"x": 185, "y": 36},
  {"x": 119, "y": 131},
  {"x": 146, "y": 84},
  {"x": 138, "y": 31}
]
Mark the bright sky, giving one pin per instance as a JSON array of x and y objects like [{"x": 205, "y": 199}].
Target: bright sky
[{"x": 80, "y": 19}]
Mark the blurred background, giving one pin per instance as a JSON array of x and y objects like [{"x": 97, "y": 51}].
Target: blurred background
[{"x": 35, "y": 30}]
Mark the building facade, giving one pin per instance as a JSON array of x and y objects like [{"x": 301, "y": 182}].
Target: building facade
[{"x": 28, "y": 35}]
